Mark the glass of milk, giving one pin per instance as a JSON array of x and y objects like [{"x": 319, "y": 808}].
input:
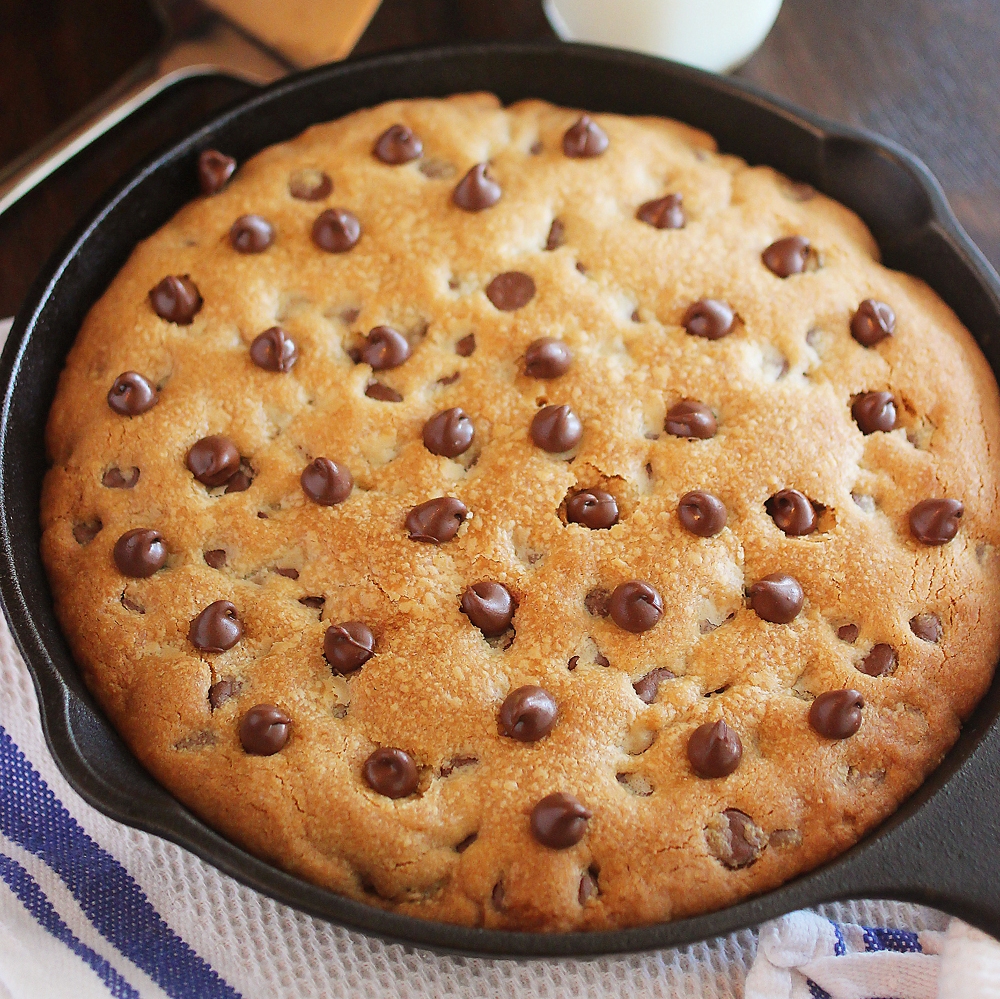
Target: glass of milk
[{"x": 711, "y": 34}]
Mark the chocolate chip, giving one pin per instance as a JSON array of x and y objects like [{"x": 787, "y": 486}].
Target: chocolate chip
[
  {"x": 872, "y": 323},
  {"x": 214, "y": 170},
  {"x": 476, "y": 190},
  {"x": 326, "y": 482},
  {"x": 115, "y": 478},
  {"x": 511, "y": 290},
  {"x": 391, "y": 772},
  {"x": 456, "y": 763},
  {"x": 385, "y": 348},
  {"x": 348, "y": 646},
  {"x": 309, "y": 185},
  {"x": 777, "y": 598},
  {"x": 874, "y": 411},
  {"x": 216, "y": 558},
  {"x": 837, "y": 713},
  {"x": 274, "y": 350},
  {"x": 222, "y": 691},
  {"x": 313, "y": 603},
  {"x": 585, "y": 139},
  {"x": 574, "y": 661},
  {"x": 86, "y": 531},
  {"x": 489, "y": 606},
  {"x": 437, "y": 520},
  {"x": 264, "y": 730},
  {"x": 383, "y": 393},
  {"x": 701, "y": 513},
  {"x": 287, "y": 571},
  {"x": 466, "y": 346},
  {"x": 449, "y": 379},
  {"x": 635, "y": 606},
  {"x": 792, "y": 512},
  {"x": 528, "y": 714},
  {"x": 588, "y": 886},
  {"x": 217, "y": 628},
  {"x": 926, "y": 627},
  {"x": 935, "y": 521},
  {"x": 449, "y": 433},
  {"x": 177, "y": 299},
  {"x": 848, "y": 633},
  {"x": 132, "y": 394},
  {"x": 692, "y": 419},
  {"x": 396, "y": 145},
  {"x": 241, "y": 479},
  {"x": 596, "y": 602},
  {"x": 251, "y": 234},
  {"x": 714, "y": 750},
  {"x": 131, "y": 605},
  {"x": 663, "y": 213},
  {"x": 734, "y": 839},
  {"x": 787, "y": 256},
  {"x": 213, "y": 460},
  {"x": 708, "y": 318},
  {"x": 647, "y": 687},
  {"x": 600, "y": 660},
  {"x": 559, "y": 821},
  {"x": 336, "y": 230},
  {"x": 466, "y": 843},
  {"x": 881, "y": 660},
  {"x": 556, "y": 236},
  {"x": 593, "y": 508},
  {"x": 547, "y": 357},
  {"x": 556, "y": 429},
  {"x": 140, "y": 552}
]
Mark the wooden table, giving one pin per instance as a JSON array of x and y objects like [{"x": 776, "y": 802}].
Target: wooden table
[{"x": 923, "y": 72}]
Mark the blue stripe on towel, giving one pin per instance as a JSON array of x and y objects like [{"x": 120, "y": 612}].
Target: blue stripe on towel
[{"x": 34, "y": 818}]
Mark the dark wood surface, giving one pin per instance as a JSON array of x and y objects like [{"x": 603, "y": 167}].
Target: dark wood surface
[{"x": 923, "y": 72}]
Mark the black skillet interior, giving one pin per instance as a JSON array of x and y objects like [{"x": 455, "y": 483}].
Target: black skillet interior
[{"x": 941, "y": 848}]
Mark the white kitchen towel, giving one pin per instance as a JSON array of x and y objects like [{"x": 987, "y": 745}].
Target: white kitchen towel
[{"x": 91, "y": 908}]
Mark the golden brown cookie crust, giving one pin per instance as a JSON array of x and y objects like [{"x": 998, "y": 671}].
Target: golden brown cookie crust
[{"x": 781, "y": 387}]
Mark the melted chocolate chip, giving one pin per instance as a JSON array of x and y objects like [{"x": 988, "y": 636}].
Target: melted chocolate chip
[
  {"x": 115, "y": 478},
  {"x": 701, "y": 513},
  {"x": 792, "y": 512},
  {"x": 476, "y": 190},
  {"x": 692, "y": 419},
  {"x": 437, "y": 520},
  {"x": 585, "y": 139},
  {"x": 787, "y": 256},
  {"x": 132, "y": 394},
  {"x": 383, "y": 393},
  {"x": 213, "y": 460},
  {"x": 176, "y": 298},
  {"x": 274, "y": 350},
  {"x": 466, "y": 346},
  {"x": 241, "y": 479},
  {"x": 391, "y": 772},
  {"x": 556, "y": 429},
  {"x": 556, "y": 236},
  {"x": 777, "y": 598},
  {"x": 848, "y": 633},
  {"x": 466, "y": 843},
  {"x": 336, "y": 230},
  {"x": 935, "y": 521},
  {"x": 547, "y": 357},
  {"x": 348, "y": 646},
  {"x": 734, "y": 839},
  {"x": 663, "y": 213},
  {"x": 559, "y": 821},
  {"x": 596, "y": 602},
  {"x": 140, "y": 552},
  {"x": 86, "y": 531},
  {"x": 326, "y": 482},
  {"x": 635, "y": 606},
  {"x": 489, "y": 606},
  {"x": 287, "y": 571},
  {"x": 881, "y": 660},
  {"x": 264, "y": 730},
  {"x": 449, "y": 433},
  {"x": 872, "y": 323},
  {"x": 709, "y": 318},
  {"x": 926, "y": 627},
  {"x": 593, "y": 508},
  {"x": 528, "y": 714},
  {"x": 714, "y": 750},
  {"x": 214, "y": 170},
  {"x": 217, "y": 628},
  {"x": 309, "y": 185},
  {"x": 648, "y": 686},
  {"x": 873, "y": 411},
  {"x": 222, "y": 691},
  {"x": 588, "y": 886},
  {"x": 216, "y": 558},
  {"x": 511, "y": 290},
  {"x": 251, "y": 234},
  {"x": 385, "y": 348},
  {"x": 396, "y": 145},
  {"x": 313, "y": 603},
  {"x": 837, "y": 713}
]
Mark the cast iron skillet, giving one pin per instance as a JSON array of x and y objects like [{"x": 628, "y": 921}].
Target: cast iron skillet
[{"x": 940, "y": 848}]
